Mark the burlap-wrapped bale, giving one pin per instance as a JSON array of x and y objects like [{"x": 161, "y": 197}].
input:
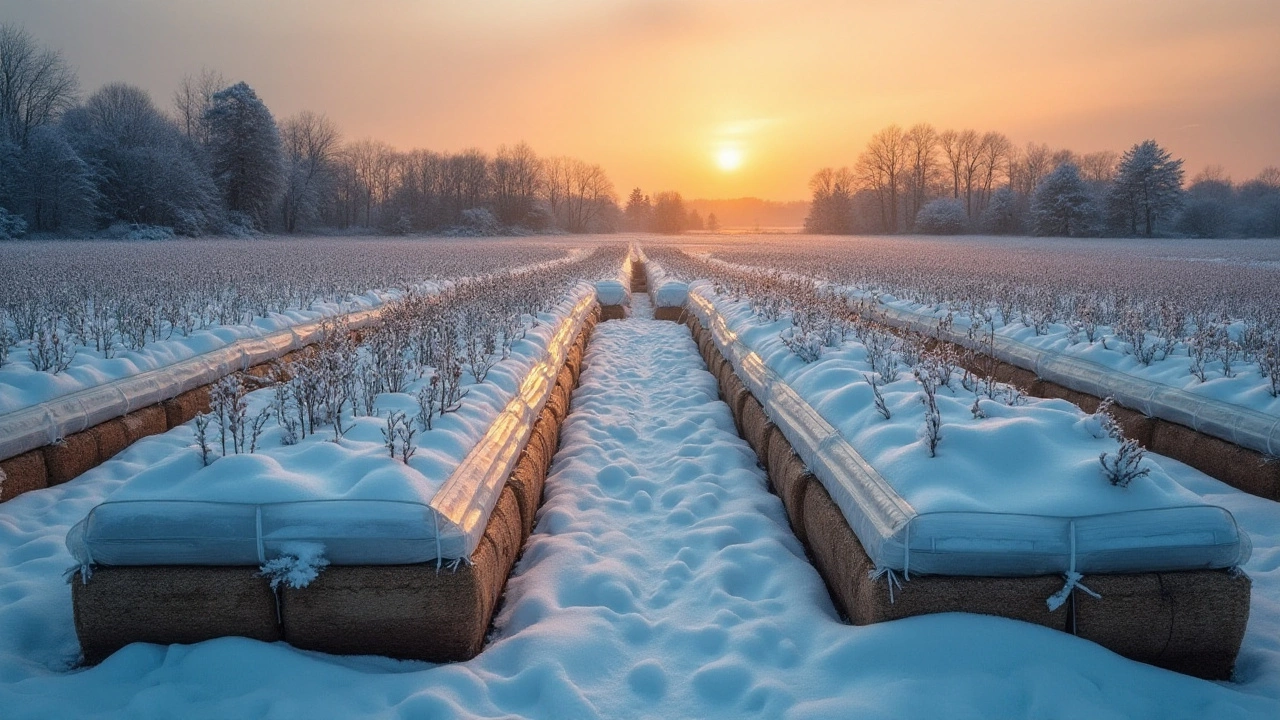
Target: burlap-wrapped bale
[
  {"x": 122, "y": 605},
  {"x": 847, "y": 570},
  {"x": 790, "y": 479},
  {"x": 1191, "y": 622},
  {"x": 112, "y": 436},
  {"x": 408, "y": 611},
  {"x": 146, "y": 422},
  {"x": 22, "y": 473},
  {"x": 185, "y": 407},
  {"x": 613, "y": 312},
  {"x": 77, "y": 453}
]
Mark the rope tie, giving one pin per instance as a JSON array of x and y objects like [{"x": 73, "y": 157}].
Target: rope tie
[
  {"x": 435, "y": 523},
  {"x": 892, "y": 577},
  {"x": 906, "y": 555},
  {"x": 1073, "y": 578}
]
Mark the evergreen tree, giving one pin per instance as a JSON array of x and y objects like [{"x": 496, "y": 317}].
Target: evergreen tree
[
  {"x": 244, "y": 150},
  {"x": 638, "y": 211},
  {"x": 1147, "y": 190},
  {"x": 713, "y": 223},
  {"x": 1062, "y": 205}
]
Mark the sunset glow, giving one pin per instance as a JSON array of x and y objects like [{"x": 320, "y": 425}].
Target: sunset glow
[
  {"x": 647, "y": 88},
  {"x": 729, "y": 158}
]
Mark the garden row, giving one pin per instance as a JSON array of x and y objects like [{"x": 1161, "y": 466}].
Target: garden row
[
  {"x": 441, "y": 329},
  {"x": 912, "y": 499},
  {"x": 335, "y": 541},
  {"x": 1230, "y": 440}
]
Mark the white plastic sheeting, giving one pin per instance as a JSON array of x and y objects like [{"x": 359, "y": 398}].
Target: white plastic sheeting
[
  {"x": 896, "y": 537},
  {"x": 1233, "y": 423},
  {"x": 666, "y": 291},
  {"x": 353, "y": 532}
]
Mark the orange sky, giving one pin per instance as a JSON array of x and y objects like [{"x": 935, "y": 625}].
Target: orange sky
[{"x": 654, "y": 89}]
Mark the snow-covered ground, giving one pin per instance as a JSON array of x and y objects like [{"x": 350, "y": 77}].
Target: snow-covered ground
[{"x": 661, "y": 581}]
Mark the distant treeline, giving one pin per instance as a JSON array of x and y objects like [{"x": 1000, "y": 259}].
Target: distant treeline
[
  {"x": 948, "y": 182},
  {"x": 219, "y": 162}
]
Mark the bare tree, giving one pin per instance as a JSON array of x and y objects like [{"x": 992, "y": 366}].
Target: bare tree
[
  {"x": 922, "y": 166},
  {"x": 517, "y": 176},
  {"x": 881, "y": 168},
  {"x": 577, "y": 192},
  {"x": 192, "y": 99},
  {"x": 959, "y": 149},
  {"x": 1099, "y": 167},
  {"x": 309, "y": 143},
  {"x": 36, "y": 85},
  {"x": 994, "y": 153},
  {"x": 1030, "y": 167}
]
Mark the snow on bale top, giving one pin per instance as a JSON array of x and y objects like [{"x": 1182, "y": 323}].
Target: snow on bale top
[
  {"x": 357, "y": 493},
  {"x": 1016, "y": 487}
]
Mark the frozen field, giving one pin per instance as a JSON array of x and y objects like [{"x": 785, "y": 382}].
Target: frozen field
[{"x": 661, "y": 581}]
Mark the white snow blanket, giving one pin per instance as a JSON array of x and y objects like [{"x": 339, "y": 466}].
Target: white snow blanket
[
  {"x": 666, "y": 291},
  {"x": 1017, "y": 493},
  {"x": 661, "y": 581},
  {"x": 365, "y": 507}
]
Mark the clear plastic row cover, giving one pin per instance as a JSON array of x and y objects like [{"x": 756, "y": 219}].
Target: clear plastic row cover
[
  {"x": 46, "y": 423},
  {"x": 896, "y": 537},
  {"x": 1236, "y": 424},
  {"x": 353, "y": 532}
]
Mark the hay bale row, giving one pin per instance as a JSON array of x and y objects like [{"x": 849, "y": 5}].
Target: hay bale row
[
  {"x": 406, "y": 611},
  {"x": 612, "y": 312},
  {"x": 1191, "y": 622},
  {"x": 23, "y": 473}
]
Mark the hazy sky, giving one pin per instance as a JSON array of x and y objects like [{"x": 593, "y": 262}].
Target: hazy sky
[{"x": 655, "y": 89}]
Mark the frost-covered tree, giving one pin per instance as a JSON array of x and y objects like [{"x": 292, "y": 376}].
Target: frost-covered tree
[
  {"x": 1147, "y": 190},
  {"x": 1062, "y": 205},
  {"x": 1210, "y": 205},
  {"x": 944, "y": 216},
  {"x": 244, "y": 151},
  {"x": 1004, "y": 214},
  {"x": 516, "y": 175},
  {"x": 1260, "y": 205},
  {"x": 56, "y": 188},
  {"x": 36, "y": 85},
  {"x": 148, "y": 172},
  {"x": 310, "y": 143}
]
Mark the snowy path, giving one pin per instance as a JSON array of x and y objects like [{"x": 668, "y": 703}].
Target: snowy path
[{"x": 661, "y": 581}]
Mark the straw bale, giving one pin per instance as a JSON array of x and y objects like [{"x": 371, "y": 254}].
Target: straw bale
[
  {"x": 790, "y": 479},
  {"x": 22, "y": 473},
  {"x": 527, "y": 482},
  {"x": 186, "y": 406},
  {"x": 755, "y": 428},
  {"x": 559, "y": 406},
  {"x": 408, "y": 611},
  {"x": 1191, "y": 621},
  {"x": 170, "y": 604},
  {"x": 674, "y": 314},
  {"x": 76, "y": 454},
  {"x": 112, "y": 437},
  {"x": 1232, "y": 464},
  {"x": 142, "y": 423},
  {"x": 612, "y": 312}
]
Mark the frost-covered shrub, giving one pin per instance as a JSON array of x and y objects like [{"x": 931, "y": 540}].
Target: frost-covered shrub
[
  {"x": 480, "y": 219},
  {"x": 944, "y": 216},
  {"x": 298, "y": 564},
  {"x": 1124, "y": 465},
  {"x": 11, "y": 226}
]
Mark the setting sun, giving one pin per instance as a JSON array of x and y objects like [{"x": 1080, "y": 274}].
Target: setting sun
[{"x": 729, "y": 159}]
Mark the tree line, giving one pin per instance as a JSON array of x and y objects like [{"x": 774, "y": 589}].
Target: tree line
[
  {"x": 924, "y": 180},
  {"x": 219, "y": 162}
]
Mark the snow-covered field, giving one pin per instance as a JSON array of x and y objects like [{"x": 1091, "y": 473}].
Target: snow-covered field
[
  {"x": 127, "y": 308},
  {"x": 1211, "y": 303},
  {"x": 661, "y": 581}
]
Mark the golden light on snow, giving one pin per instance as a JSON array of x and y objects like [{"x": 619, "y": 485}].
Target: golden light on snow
[{"x": 729, "y": 158}]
